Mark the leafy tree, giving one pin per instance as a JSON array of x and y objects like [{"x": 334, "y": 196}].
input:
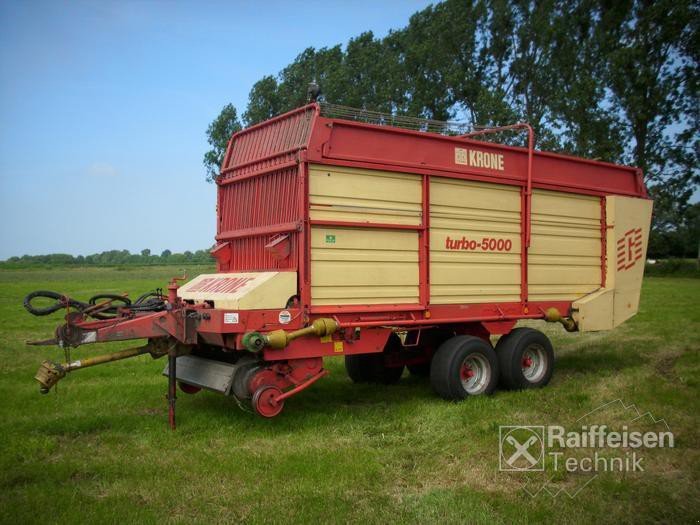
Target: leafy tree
[
  {"x": 616, "y": 81},
  {"x": 369, "y": 72},
  {"x": 470, "y": 77},
  {"x": 263, "y": 102},
  {"x": 165, "y": 254},
  {"x": 652, "y": 75},
  {"x": 582, "y": 110},
  {"x": 218, "y": 134}
]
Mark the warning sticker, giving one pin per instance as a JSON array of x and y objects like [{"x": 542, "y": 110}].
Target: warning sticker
[
  {"x": 231, "y": 318},
  {"x": 285, "y": 317}
]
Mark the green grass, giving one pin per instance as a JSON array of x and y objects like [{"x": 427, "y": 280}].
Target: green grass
[{"x": 99, "y": 450}]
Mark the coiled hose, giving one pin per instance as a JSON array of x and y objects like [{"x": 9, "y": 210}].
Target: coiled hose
[{"x": 153, "y": 301}]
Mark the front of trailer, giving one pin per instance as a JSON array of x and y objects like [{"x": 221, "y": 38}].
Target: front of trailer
[
  {"x": 394, "y": 248},
  {"x": 245, "y": 331}
]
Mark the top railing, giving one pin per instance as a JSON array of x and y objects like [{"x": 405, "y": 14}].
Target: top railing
[{"x": 387, "y": 119}]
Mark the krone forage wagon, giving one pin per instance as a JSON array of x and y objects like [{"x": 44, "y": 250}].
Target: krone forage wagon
[{"x": 393, "y": 242}]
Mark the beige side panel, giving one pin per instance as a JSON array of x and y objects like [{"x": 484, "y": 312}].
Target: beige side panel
[
  {"x": 358, "y": 195},
  {"x": 564, "y": 260},
  {"x": 243, "y": 290},
  {"x": 594, "y": 312},
  {"x": 363, "y": 266},
  {"x": 474, "y": 242},
  {"x": 628, "y": 234}
]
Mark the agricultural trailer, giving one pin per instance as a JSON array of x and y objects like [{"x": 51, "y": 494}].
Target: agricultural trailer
[{"x": 394, "y": 242}]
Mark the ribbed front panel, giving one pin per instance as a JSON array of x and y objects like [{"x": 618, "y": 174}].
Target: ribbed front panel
[
  {"x": 268, "y": 144},
  {"x": 259, "y": 201},
  {"x": 250, "y": 254}
]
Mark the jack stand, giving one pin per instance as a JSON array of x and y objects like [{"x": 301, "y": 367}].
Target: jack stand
[{"x": 172, "y": 358}]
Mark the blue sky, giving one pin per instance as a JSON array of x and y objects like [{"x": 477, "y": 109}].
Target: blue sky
[{"x": 104, "y": 107}]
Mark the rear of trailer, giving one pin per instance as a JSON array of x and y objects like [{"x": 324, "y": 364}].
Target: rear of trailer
[{"x": 341, "y": 233}]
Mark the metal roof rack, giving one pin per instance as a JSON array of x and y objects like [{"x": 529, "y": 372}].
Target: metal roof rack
[{"x": 388, "y": 119}]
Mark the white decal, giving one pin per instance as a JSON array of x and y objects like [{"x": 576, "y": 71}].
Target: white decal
[
  {"x": 285, "y": 317},
  {"x": 89, "y": 337},
  {"x": 231, "y": 318}
]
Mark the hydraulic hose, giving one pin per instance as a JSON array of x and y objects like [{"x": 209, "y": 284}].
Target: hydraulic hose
[
  {"x": 61, "y": 302},
  {"x": 152, "y": 301}
]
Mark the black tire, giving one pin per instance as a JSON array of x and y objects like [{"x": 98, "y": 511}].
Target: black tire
[
  {"x": 525, "y": 358},
  {"x": 359, "y": 367},
  {"x": 459, "y": 356},
  {"x": 241, "y": 380},
  {"x": 372, "y": 368},
  {"x": 429, "y": 343},
  {"x": 419, "y": 370}
]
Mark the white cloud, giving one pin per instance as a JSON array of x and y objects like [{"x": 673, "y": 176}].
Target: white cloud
[{"x": 101, "y": 169}]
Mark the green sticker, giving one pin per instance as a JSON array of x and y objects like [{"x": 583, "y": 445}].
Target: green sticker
[{"x": 330, "y": 239}]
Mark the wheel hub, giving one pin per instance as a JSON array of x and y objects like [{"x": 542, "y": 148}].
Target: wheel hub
[
  {"x": 265, "y": 401},
  {"x": 475, "y": 374},
  {"x": 534, "y": 363},
  {"x": 467, "y": 372}
]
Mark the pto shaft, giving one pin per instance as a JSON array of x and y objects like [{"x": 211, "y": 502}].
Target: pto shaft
[{"x": 50, "y": 372}]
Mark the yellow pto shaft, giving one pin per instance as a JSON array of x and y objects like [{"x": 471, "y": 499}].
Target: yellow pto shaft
[
  {"x": 279, "y": 339},
  {"x": 50, "y": 372}
]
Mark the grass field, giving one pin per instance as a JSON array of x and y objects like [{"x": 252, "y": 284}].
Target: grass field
[{"x": 99, "y": 450}]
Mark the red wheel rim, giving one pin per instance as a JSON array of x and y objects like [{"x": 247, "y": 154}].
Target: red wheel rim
[
  {"x": 188, "y": 389},
  {"x": 264, "y": 401}
]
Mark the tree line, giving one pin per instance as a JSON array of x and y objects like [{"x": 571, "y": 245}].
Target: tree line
[
  {"x": 112, "y": 258},
  {"x": 615, "y": 81}
]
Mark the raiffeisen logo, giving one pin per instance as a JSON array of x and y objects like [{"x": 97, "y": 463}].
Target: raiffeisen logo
[
  {"x": 554, "y": 442},
  {"x": 568, "y": 459}
]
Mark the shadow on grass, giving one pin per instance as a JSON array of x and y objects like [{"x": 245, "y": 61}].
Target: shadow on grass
[
  {"x": 600, "y": 358},
  {"x": 331, "y": 402},
  {"x": 325, "y": 404},
  {"x": 335, "y": 398}
]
